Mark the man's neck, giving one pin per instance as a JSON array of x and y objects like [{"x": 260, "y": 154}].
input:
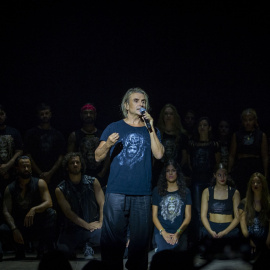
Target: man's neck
[
  {"x": 89, "y": 128},
  {"x": 23, "y": 182},
  {"x": 44, "y": 126},
  {"x": 75, "y": 178},
  {"x": 134, "y": 120}
]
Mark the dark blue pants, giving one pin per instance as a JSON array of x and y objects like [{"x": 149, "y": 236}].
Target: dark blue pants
[{"x": 121, "y": 211}]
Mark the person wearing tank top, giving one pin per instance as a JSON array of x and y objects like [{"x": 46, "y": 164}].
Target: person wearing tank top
[{"x": 219, "y": 212}]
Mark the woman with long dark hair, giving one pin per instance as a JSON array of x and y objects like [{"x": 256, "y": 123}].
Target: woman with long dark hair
[{"x": 171, "y": 208}]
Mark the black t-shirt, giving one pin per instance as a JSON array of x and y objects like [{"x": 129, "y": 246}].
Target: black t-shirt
[{"x": 45, "y": 146}]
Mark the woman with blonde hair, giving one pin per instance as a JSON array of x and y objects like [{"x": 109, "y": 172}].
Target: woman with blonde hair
[
  {"x": 174, "y": 139},
  {"x": 248, "y": 151}
]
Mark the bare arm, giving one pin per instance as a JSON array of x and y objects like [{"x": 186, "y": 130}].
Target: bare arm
[
  {"x": 105, "y": 146},
  {"x": 243, "y": 223},
  {"x": 100, "y": 199},
  {"x": 204, "y": 210},
  {"x": 7, "y": 209},
  {"x": 184, "y": 224},
  {"x": 46, "y": 202},
  {"x": 5, "y": 167},
  {"x": 71, "y": 215},
  {"x": 156, "y": 146},
  {"x": 235, "y": 221},
  {"x": 167, "y": 236},
  {"x": 48, "y": 175}
]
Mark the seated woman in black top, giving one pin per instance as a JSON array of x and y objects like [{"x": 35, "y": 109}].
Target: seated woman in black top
[
  {"x": 254, "y": 212},
  {"x": 219, "y": 212}
]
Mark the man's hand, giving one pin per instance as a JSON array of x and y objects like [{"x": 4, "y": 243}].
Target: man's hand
[
  {"x": 29, "y": 218},
  {"x": 112, "y": 139},
  {"x": 17, "y": 236}
]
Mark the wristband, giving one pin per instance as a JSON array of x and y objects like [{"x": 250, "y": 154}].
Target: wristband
[
  {"x": 160, "y": 231},
  {"x": 179, "y": 230}
]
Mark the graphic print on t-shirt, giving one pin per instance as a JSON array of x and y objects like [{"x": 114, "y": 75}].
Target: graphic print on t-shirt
[
  {"x": 171, "y": 207},
  {"x": 248, "y": 139},
  {"x": 88, "y": 146},
  {"x": 6, "y": 148},
  {"x": 133, "y": 150}
]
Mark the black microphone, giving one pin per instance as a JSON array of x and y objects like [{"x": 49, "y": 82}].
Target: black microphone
[{"x": 148, "y": 125}]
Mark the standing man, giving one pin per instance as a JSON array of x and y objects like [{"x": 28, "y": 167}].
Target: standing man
[
  {"x": 10, "y": 148},
  {"x": 81, "y": 200},
  {"x": 86, "y": 140},
  {"x": 27, "y": 210},
  {"x": 45, "y": 146},
  {"x": 128, "y": 195}
]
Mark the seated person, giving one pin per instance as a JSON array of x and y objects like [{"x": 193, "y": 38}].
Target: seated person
[
  {"x": 171, "y": 208},
  {"x": 81, "y": 200},
  {"x": 27, "y": 210},
  {"x": 254, "y": 212},
  {"x": 219, "y": 213}
]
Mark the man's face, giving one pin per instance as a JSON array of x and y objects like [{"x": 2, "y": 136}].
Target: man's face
[
  {"x": 223, "y": 128},
  {"x": 24, "y": 168},
  {"x": 189, "y": 119},
  {"x": 249, "y": 122},
  {"x": 45, "y": 116},
  {"x": 2, "y": 118},
  {"x": 136, "y": 101},
  {"x": 74, "y": 165},
  {"x": 88, "y": 116}
]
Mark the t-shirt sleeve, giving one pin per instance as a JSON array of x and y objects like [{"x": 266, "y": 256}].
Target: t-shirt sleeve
[{"x": 106, "y": 133}]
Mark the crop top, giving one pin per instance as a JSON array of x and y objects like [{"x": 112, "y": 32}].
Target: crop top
[{"x": 223, "y": 207}]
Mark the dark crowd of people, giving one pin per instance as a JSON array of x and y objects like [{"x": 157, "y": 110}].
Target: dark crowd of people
[{"x": 171, "y": 186}]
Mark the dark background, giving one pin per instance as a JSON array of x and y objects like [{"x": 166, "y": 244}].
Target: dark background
[{"x": 210, "y": 57}]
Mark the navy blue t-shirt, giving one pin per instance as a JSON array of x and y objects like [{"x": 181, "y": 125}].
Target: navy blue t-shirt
[
  {"x": 171, "y": 209},
  {"x": 131, "y": 159}
]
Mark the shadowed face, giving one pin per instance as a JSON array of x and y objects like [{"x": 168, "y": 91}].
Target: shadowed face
[
  {"x": 24, "y": 168},
  {"x": 74, "y": 165},
  {"x": 168, "y": 115},
  {"x": 44, "y": 116},
  {"x": 249, "y": 122}
]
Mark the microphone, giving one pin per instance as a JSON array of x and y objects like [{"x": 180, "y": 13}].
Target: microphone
[{"x": 148, "y": 125}]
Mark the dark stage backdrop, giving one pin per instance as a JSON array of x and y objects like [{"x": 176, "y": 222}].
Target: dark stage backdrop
[{"x": 212, "y": 58}]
